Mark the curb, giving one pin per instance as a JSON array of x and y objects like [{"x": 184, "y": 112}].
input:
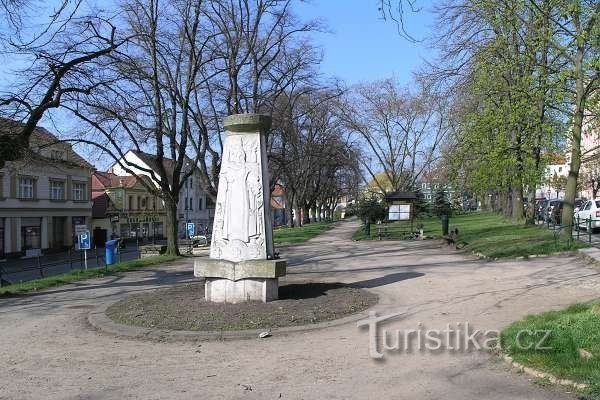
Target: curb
[
  {"x": 566, "y": 253},
  {"x": 98, "y": 320},
  {"x": 542, "y": 375}
]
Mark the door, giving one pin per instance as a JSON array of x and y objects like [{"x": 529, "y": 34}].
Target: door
[{"x": 58, "y": 232}]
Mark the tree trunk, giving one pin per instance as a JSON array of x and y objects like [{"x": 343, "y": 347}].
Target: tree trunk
[
  {"x": 171, "y": 227},
  {"x": 518, "y": 210},
  {"x": 297, "y": 215},
  {"x": 289, "y": 217},
  {"x": 571, "y": 190},
  {"x": 305, "y": 215},
  {"x": 530, "y": 217}
]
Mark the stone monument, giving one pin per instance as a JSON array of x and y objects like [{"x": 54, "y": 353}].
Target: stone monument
[{"x": 241, "y": 266}]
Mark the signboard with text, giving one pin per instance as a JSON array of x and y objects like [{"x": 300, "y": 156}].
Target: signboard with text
[{"x": 399, "y": 212}]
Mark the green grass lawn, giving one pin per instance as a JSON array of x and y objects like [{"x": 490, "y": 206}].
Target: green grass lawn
[
  {"x": 80, "y": 274},
  {"x": 300, "y": 234},
  {"x": 486, "y": 233},
  {"x": 577, "y": 327}
]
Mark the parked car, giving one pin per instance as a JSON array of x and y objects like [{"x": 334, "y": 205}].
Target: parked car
[{"x": 590, "y": 210}]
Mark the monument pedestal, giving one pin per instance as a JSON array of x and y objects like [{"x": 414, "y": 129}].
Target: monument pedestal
[
  {"x": 234, "y": 282},
  {"x": 221, "y": 290}
]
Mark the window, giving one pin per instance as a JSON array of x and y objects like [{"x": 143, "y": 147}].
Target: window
[
  {"x": 79, "y": 191},
  {"x": 191, "y": 182},
  {"x": 139, "y": 203},
  {"x": 154, "y": 204},
  {"x": 57, "y": 190},
  {"x": 130, "y": 203},
  {"x": 200, "y": 204},
  {"x": 186, "y": 203},
  {"x": 57, "y": 155},
  {"x": 559, "y": 169},
  {"x": 26, "y": 188}
]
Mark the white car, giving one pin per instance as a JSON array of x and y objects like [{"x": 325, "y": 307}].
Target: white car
[{"x": 590, "y": 209}]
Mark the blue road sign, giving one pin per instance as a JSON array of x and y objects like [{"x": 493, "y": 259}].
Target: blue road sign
[
  {"x": 84, "y": 240},
  {"x": 191, "y": 229}
]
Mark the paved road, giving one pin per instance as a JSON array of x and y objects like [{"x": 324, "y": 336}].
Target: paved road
[{"x": 48, "y": 351}]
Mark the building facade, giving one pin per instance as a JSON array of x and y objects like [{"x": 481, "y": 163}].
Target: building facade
[
  {"x": 124, "y": 208},
  {"x": 44, "y": 198},
  {"x": 194, "y": 204}
]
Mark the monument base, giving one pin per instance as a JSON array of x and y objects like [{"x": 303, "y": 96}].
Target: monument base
[
  {"x": 235, "y": 282},
  {"x": 220, "y": 290}
]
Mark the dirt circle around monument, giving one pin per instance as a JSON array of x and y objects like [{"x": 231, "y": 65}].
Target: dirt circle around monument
[{"x": 181, "y": 312}]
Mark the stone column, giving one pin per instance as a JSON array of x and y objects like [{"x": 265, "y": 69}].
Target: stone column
[{"x": 241, "y": 266}]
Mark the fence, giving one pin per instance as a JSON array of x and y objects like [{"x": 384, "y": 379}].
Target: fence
[
  {"x": 35, "y": 268},
  {"x": 587, "y": 224}
]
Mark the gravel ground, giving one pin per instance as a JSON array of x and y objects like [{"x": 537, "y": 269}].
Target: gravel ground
[{"x": 183, "y": 308}]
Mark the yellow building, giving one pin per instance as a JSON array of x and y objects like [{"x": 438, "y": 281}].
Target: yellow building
[{"x": 124, "y": 208}]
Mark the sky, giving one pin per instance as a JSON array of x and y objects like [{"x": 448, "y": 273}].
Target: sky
[
  {"x": 358, "y": 46},
  {"x": 362, "y": 46}
]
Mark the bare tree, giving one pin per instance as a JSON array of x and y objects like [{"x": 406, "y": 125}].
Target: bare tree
[
  {"x": 258, "y": 52},
  {"x": 311, "y": 155},
  {"x": 60, "y": 57},
  {"x": 402, "y": 131},
  {"x": 145, "y": 98}
]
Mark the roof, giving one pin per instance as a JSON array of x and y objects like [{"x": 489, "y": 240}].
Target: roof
[
  {"x": 42, "y": 137},
  {"x": 152, "y": 162},
  {"x": 401, "y": 196},
  {"x": 278, "y": 190},
  {"x": 105, "y": 180},
  {"x": 100, "y": 205}
]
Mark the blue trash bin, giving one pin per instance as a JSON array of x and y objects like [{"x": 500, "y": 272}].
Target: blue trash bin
[{"x": 111, "y": 251}]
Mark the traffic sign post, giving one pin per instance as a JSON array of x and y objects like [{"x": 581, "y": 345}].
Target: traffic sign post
[
  {"x": 190, "y": 228},
  {"x": 85, "y": 245}
]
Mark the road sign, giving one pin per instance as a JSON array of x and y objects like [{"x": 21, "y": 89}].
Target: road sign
[
  {"x": 191, "y": 229},
  {"x": 79, "y": 229},
  {"x": 84, "y": 244},
  {"x": 84, "y": 240}
]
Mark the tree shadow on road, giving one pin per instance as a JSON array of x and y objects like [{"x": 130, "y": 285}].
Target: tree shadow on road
[{"x": 299, "y": 291}]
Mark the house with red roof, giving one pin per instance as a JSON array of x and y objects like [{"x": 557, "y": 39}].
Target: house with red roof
[{"x": 124, "y": 207}]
